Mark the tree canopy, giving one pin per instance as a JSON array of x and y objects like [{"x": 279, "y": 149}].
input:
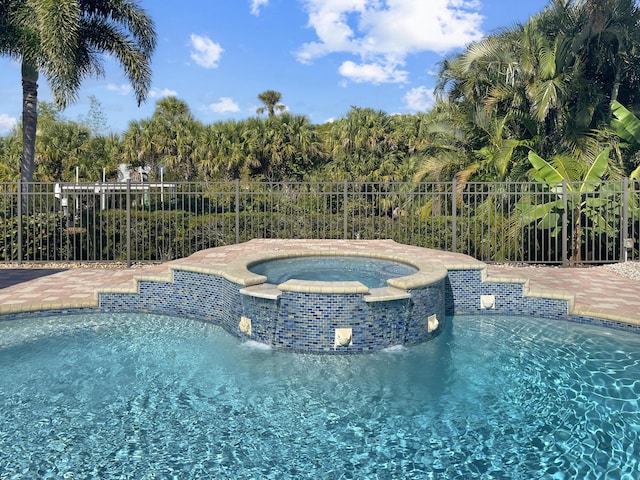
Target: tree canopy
[
  {"x": 64, "y": 41},
  {"x": 546, "y": 86}
]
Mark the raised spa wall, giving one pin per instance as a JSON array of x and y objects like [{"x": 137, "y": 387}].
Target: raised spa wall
[
  {"x": 304, "y": 316},
  {"x": 346, "y": 317},
  {"x": 331, "y": 317},
  {"x": 212, "y": 294}
]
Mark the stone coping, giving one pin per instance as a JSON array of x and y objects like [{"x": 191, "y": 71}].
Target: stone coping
[
  {"x": 429, "y": 272},
  {"x": 237, "y": 271},
  {"x": 264, "y": 290},
  {"x": 565, "y": 295},
  {"x": 274, "y": 292},
  {"x": 49, "y": 305},
  {"x": 313, "y": 286},
  {"x": 34, "y": 295},
  {"x": 386, "y": 294}
]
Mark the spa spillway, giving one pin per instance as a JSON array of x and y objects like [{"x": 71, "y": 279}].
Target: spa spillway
[{"x": 346, "y": 303}]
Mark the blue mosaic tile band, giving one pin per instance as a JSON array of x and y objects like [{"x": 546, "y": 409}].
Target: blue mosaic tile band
[
  {"x": 208, "y": 297},
  {"x": 48, "y": 313},
  {"x": 307, "y": 322},
  {"x": 464, "y": 288},
  {"x": 304, "y": 322}
]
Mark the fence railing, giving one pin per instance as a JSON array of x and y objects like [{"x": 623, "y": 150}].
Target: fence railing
[{"x": 152, "y": 222}]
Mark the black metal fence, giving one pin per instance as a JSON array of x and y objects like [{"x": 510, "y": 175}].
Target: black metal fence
[{"x": 154, "y": 222}]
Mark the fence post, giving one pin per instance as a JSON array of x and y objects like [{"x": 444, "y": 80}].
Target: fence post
[
  {"x": 454, "y": 215},
  {"x": 237, "y": 210},
  {"x": 565, "y": 222},
  {"x": 624, "y": 219},
  {"x": 345, "y": 210},
  {"x": 20, "y": 198},
  {"x": 128, "y": 222}
]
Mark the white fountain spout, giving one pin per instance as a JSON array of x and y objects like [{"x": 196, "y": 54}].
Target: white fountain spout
[{"x": 432, "y": 323}]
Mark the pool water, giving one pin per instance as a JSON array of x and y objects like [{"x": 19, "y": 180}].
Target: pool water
[
  {"x": 371, "y": 272},
  {"x": 142, "y": 396}
]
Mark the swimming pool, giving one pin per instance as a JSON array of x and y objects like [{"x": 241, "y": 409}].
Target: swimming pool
[{"x": 149, "y": 396}]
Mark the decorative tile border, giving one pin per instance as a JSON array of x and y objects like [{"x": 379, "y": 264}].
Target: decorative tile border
[
  {"x": 316, "y": 316},
  {"x": 300, "y": 321},
  {"x": 465, "y": 288}
]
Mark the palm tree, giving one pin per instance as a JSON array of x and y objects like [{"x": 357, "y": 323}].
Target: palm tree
[
  {"x": 271, "y": 100},
  {"x": 62, "y": 146},
  {"x": 552, "y": 80},
  {"x": 172, "y": 108},
  {"x": 167, "y": 138},
  {"x": 359, "y": 144},
  {"x": 627, "y": 126},
  {"x": 220, "y": 150},
  {"x": 64, "y": 40},
  {"x": 102, "y": 158},
  {"x": 292, "y": 147},
  {"x": 136, "y": 144},
  {"x": 10, "y": 148},
  {"x": 610, "y": 31}
]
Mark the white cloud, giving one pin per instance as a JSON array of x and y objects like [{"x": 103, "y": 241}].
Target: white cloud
[
  {"x": 224, "y": 105},
  {"x": 165, "y": 92},
  {"x": 409, "y": 26},
  {"x": 205, "y": 53},
  {"x": 256, "y": 4},
  {"x": 7, "y": 123},
  {"x": 123, "y": 89},
  {"x": 385, "y": 33},
  {"x": 372, "y": 73},
  {"x": 419, "y": 99}
]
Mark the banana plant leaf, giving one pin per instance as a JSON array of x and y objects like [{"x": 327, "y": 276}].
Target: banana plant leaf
[{"x": 626, "y": 124}]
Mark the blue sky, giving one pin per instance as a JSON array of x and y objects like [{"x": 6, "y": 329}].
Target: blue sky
[{"x": 323, "y": 56}]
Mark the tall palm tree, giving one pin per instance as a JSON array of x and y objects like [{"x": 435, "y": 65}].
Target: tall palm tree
[
  {"x": 220, "y": 150},
  {"x": 271, "y": 100},
  {"x": 136, "y": 144},
  {"x": 173, "y": 132},
  {"x": 609, "y": 30},
  {"x": 167, "y": 138},
  {"x": 64, "y": 41},
  {"x": 62, "y": 146},
  {"x": 359, "y": 143},
  {"x": 293, "y": 147},
  {"x": 172, "y": 108}
]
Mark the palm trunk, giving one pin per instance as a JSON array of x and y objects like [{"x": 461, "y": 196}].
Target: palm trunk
[
  {"x": 29, "y": 124},
  {"x": 577, "y": 234},
  {"x": 616, "y": 85}
]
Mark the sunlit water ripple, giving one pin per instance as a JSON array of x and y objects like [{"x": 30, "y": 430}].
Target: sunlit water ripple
[{"x": 117, "y": 396}]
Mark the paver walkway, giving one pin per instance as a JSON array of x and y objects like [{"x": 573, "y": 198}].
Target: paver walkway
[{"x": 596, "y": 292}]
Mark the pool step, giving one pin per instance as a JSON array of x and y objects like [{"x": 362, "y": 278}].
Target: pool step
[
  {"x": 263, "y": 290},
  {"x": 386, "y": 294},
  {"x": 272, "y": 292}
]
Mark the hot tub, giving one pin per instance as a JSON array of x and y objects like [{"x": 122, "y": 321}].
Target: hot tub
[{"x": 345, "y": 303}]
